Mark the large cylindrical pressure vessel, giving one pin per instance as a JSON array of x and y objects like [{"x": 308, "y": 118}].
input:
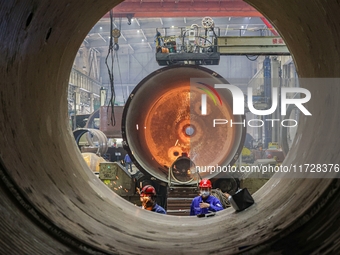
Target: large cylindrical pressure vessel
[{"x": 176, "y": 110}]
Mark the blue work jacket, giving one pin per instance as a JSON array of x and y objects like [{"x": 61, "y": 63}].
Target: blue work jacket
[
  {"x": 158, "y": 209},
  {"x": 215, "y": 205},
  {"x": 127, "y": 159}
]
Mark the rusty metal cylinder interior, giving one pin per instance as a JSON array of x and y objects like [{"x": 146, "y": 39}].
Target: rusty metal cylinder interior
[
  {"x": 51, "y": 203},
  {"x": 163, "y": 119}
]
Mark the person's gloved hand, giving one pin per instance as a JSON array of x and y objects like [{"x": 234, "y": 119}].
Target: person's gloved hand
[{"x": 204, "y": 205}]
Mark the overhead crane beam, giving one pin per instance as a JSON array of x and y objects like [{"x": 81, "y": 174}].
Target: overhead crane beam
[{"x": 251, "y": 45}]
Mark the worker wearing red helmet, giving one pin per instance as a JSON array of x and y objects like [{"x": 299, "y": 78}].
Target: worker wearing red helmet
[
  {"x": 205, "y": 203},
  {"x": 148, "y": 199}
]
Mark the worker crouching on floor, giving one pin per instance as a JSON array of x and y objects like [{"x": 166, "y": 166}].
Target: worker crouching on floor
[
  {"x": 148, "y": 199},
  {"x": 205, "y": 203}
]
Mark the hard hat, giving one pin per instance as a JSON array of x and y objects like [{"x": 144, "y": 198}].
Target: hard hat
[
  {"x": 148, "y": 191},
  {"x": 205, "y": 183}
]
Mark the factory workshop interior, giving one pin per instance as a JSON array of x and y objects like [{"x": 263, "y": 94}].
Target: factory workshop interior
[{"x": 86, "y": 83}]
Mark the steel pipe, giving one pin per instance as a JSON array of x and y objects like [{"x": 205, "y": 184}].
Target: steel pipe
[{"x": 95, "y": 138}]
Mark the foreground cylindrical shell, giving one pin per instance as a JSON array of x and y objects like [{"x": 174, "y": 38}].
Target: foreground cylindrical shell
[{"x": 44, "y": 178}]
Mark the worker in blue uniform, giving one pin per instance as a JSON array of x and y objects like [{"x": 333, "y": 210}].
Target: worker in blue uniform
[
  {"x": 205, "y": 203},
  {"x": 148, "y": 199},
  {"x": 128, "y": 163}
]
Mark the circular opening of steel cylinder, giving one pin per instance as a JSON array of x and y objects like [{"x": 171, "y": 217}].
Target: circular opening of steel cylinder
[{"x": 164, "y": 118}]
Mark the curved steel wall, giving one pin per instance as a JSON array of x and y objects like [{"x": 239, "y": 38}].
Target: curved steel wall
[{"x": 50, "y": 205}]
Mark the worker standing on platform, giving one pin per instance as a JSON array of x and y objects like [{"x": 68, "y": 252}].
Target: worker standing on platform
[
  {"x": 148, "y": 199},
  {"x": 128, "y": 163},
  {"x": 205, "y": 203}
]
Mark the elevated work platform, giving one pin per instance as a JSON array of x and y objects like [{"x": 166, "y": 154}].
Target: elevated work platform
[
  {"x": 165, "y": 59},
  {"x": 227, "y": 45}
]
